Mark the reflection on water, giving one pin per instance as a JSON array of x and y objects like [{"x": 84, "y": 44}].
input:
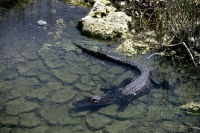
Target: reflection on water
[{"x": 42, "y": 73}]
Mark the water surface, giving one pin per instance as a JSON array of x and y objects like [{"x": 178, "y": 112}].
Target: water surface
[{"x": 42, "y": 73}]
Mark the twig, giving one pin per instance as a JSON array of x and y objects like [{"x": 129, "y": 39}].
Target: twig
[
  {"x": 172, "y": 45},
  {"x": 153, "y": 55},
  {"x": 186, "y": 48}
]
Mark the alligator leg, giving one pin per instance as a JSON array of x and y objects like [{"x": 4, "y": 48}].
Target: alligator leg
[{"x": 164, "y": 83}]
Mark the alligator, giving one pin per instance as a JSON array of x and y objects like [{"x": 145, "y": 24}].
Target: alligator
[{"x": 137, "y": 87}]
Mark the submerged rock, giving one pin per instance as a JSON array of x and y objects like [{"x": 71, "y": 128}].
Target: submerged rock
[
  {"x": 103, "y": 22},
  {"x": 121, "y": 126},
  {"x": 5, "y": 130},
  {"x": 65, "y": 76},
  {"x": 51, "y": 57},
  {"x": 97, "y": 121},
  {"x": 64, "y": 95},
  {"x": 110, "y": 110},
  {"x": 18, "y": 106},
  {"x": 59, "y": 116},
  {"x": 32, "y": 68},
  {"x": 132, "y": 112},
  {"x": 54, "y": 85},
  {"x": 83, "y": 87},
  {"x": 30, "y": 51},
  {"x": 8, "y": 120},
  {"x": 29, "y": 120},
  {"x": 39, "y": 94}
]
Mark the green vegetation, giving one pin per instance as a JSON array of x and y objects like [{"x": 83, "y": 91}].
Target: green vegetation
[{"x": 177, "y": 20}]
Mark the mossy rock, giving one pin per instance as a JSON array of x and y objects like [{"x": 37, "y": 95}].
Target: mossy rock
[
  {"x": 29, "y": 120},
  {"x": 121, "y": 126},
  {"x": 61, "y": 96},
  {"x": 8, "y": 120},
  {"x": 110, "y": 110},
  {"x": 132, "y": 112},
  {"x": 18, "y": 106},
  {"x": 54, "y": 85},
  {"x": 59, "y": 116},
  {"x": 65, "y": 76},
  {"x": 39, "y": 93},
  {"x": 97, "y": 121},
  {"x": 5, "y": 130}
]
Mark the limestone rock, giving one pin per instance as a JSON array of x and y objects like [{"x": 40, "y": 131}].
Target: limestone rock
[
  {"x": 129, "y": 48},
  {"x": 103, "y": 22},
  {"x": 97, "y": 122},
  {"x": 39, "y": 93},
  {"x": 29, "y": 120},
  {"x": 41, "y": 22},
  {"x": 83, "y": 87},
  {"x": 65, "y": 76},
  {"x": 59, "y": 116},
  {"x": 132, "y": 112},
  {"x": 8, "y": 120},
  {"x": 18, "y": 106},
  {"x": 121, "y": 126},
  {"x": 110, "y": 110},
  {"x": 191, "y": 106},
  {"x": 5, "y": 130},
  {"x": 64, "y": 95},
  {"x": 53, "y": 85},
  {"x": 30, "y": 51}
]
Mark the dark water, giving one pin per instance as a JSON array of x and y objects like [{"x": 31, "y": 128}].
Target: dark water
[{"x": 42, "y": 73}]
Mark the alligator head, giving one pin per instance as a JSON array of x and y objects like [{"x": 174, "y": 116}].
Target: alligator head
[{"x": 97, "y": 100}]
